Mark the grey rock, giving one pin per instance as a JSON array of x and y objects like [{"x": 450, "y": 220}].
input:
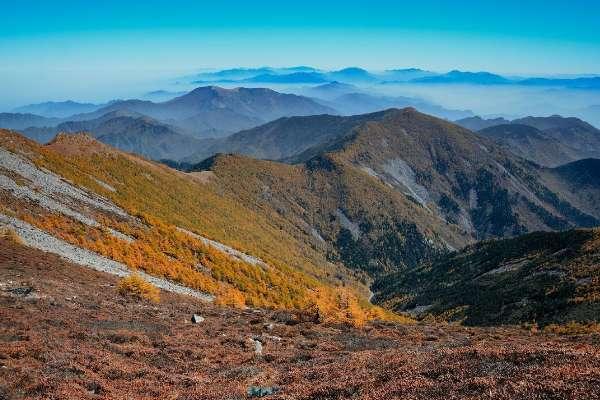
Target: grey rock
[
  {"x": 196, "y": 319},
  {"x": 257, "y": 391},
  {"x": 258, "y": 346}
]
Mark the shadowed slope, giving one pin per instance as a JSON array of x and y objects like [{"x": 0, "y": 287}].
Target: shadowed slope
[{"x": 541, "y": 277}]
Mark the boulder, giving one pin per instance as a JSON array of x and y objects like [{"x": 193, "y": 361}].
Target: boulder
[
  {"x": 196, "y": 319},
  {"x": 258, "y": 346},
  {"x": 257, "y": 391}
]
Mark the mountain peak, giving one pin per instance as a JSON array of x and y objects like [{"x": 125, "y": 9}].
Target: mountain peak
[
  {"x": 353, "y": 70},
  {"x": 214, "y": 91},
  {"x": 77, "y": 144},
  {"x": 206, "y": 89},
  {"x": 404, "y": 113},
  {"x": 456, "y": 76}
]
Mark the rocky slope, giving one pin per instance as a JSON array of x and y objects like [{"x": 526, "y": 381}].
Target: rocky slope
[{"x": 349, "y": 215}]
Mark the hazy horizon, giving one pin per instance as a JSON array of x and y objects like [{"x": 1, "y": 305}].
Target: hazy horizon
[{"x": 61, "y": 50}]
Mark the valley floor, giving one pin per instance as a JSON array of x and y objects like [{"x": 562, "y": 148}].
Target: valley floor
[{"x": 65, "y": 333}]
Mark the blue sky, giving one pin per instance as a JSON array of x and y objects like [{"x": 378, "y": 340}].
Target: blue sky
[{"x": 88, "y": 45}]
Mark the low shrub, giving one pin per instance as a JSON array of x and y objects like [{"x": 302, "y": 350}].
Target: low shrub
[
  {"x": 573, "y": 328},
  {"x": 136, "y": 286},
  {"x": 10, "y": 235}
]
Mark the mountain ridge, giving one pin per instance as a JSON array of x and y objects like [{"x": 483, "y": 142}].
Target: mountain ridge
[
  {"x": 57, "y": 109},
  {"x": 550, "y": 141},
  {"x": 458, "y": 187},
  {"x": 128, "y": 131},
  {"x": 220, "y": 110}
]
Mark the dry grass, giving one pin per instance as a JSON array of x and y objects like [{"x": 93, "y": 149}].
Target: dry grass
[
  {"x": 136, "y": 286},
  {"x": 573, "y": 328},
  {"x": 10, "y": 234}
]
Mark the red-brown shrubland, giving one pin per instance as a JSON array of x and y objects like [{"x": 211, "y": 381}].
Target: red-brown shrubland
[{"x": 73, "y": 337}]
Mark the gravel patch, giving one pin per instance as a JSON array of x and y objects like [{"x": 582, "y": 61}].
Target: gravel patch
[
  {"x": 235, "y": 254},
  {"x": 45, "y": 185},
  {"x": 24, "y": 192},
  {"x": 403, "y": 174},
  {"x": 39, "y": 239},
  {"x": 346, "y": 223},
  {"x": 508, "y": 267},
  {"x": 104, "y": 185},
  {"x": 51, "y": 184}
]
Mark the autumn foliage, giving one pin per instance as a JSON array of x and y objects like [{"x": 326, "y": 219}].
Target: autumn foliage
[
  {"x": 294, "y": 276},
  {"x": 136, "y": 286},
  {"x": 10, "y": 235}
]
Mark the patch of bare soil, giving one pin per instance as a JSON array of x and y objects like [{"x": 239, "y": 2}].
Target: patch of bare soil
[{"x": 65, "y": 333}]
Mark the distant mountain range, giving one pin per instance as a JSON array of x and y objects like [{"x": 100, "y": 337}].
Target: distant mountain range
[
  {"x": 549, "y": 141},
  {"x": 212, "y": 111},
  {"x": 287, "y": 75},
  {"x": 172, "y": 129},
  {"x": 22, "y": 121},
  {"x": 204, "y": 112},
  {"x": 309, "y": 75},
  {"x": 477, "y": 78},
  {"x": 237, "y": 120},
  {"x": 246, "y": 73},
  {"x": 61, "y": 109},
  {"x": 128, "y": 131}
]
